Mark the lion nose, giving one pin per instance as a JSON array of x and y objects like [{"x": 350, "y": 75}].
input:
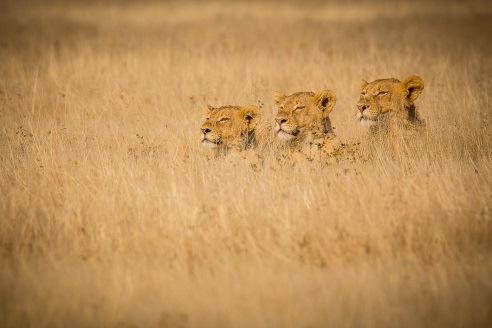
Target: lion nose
[
  {"x": 206, "y": 130},
  {"x": 280, "y": 120},
  {"x": 362, "y": 107}
]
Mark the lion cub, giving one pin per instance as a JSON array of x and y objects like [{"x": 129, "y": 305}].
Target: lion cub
[
  {"x": 303, "y": 122},
  {"x": 387, "y": 103},
  {"x": 229, "y": 128}
]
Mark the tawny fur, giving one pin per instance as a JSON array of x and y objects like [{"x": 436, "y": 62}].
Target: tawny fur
[
  {"x": 303, "y": 122},
  {"x": 230, "y": 127},
  {"x": 388, "y": 104}
]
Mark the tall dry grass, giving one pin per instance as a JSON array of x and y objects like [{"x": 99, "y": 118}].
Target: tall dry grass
[{"x": 111, "y": 215}]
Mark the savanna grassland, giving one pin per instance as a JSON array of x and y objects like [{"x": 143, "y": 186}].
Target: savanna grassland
[{"x": 111, "y": 215}]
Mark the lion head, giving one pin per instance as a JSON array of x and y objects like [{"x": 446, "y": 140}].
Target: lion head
[
  {"x": 385, "y": 98},
  {"x": 303, "y": 114},
  {"x": 230, "y": 127}
]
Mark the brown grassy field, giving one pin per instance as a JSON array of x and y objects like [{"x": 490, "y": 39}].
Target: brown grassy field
[{"x": 112, "y": 216}]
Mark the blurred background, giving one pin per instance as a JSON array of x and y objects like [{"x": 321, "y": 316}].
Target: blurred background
[{"x": 111, "y": 215}]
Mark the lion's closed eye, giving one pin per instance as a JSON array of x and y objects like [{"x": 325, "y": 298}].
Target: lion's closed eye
[
  {"x": 224, "y": 119},
  {"x": 382, "y": 93}
]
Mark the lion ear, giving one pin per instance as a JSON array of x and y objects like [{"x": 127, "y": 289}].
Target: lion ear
[
  {"x": 251, "y": 116},
  {"x": 414, "y": 86},
  {"x": 363, "y": 84},
  {"x": 206, "y": 111},
  {"x": 278, "y": 97},
  {"x": 325, "y": 100}
]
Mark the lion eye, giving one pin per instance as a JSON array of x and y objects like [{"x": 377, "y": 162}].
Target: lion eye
[
  {"x": 382, "y": 93},
  {"x": 224, "y": 119},
  {"x": 299, "y": 108}
]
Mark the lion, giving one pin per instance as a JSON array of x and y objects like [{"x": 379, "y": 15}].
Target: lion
[
  {"x": 303, "y": 122},
  {"x": 386, "y": 103},
  {"x": 230, "y": 127}
]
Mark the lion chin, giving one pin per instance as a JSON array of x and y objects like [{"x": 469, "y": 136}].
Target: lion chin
[
  {"x": 209, "y": 144},
  {"x": 284, "y": 136},
  {"x": 366, "y": 122}
]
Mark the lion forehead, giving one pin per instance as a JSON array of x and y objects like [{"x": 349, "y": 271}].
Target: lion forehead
[
  {"x": 377, "y": 85},
  {"x": 224, "y": 110},
  {"x": 298, "y": 98}
]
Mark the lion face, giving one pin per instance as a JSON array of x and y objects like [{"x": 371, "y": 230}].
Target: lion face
[
  {"x": 229, "y": 126},
  {"x": 301, "y": 113},
  {"x": 381, "y": 98}
]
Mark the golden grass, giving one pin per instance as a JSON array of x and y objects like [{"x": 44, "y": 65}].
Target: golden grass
[{"x": 111, "y": 214}]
